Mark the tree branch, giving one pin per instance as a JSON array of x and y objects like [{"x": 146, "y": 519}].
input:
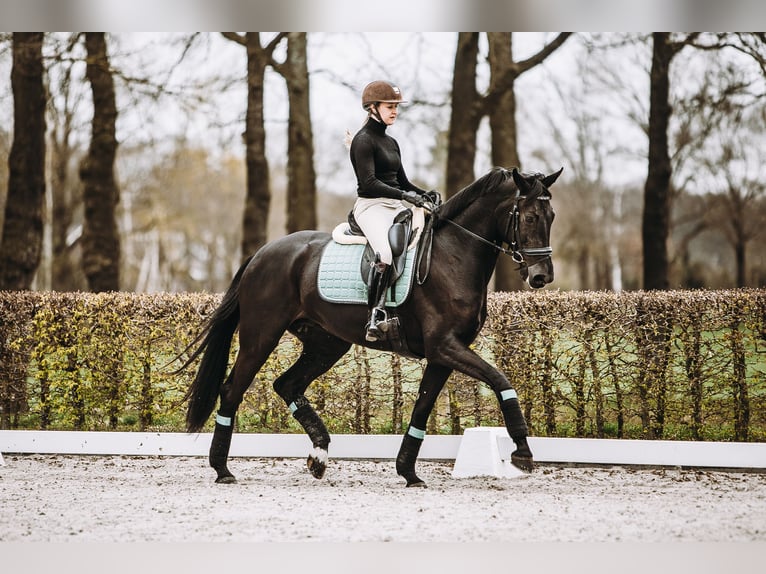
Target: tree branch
[
  {"x": 546, "y": 51},
  {"x": 234, "y": 37},
  {"x": 505, "y": 82}
]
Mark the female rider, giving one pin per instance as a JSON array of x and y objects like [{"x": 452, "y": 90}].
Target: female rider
[{"x": 382, "y": 186}]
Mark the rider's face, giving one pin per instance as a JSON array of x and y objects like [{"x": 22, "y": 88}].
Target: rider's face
[{"x": 388, "y": 112}]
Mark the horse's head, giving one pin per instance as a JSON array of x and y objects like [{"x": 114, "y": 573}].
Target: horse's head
[{"x": 528, "y": 230}]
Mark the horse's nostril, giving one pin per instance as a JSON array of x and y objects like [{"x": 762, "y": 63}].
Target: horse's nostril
[{"x": 538, "y": 281}]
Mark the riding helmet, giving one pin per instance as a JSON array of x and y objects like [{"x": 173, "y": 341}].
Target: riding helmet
[{"x": 381, "y": 91}]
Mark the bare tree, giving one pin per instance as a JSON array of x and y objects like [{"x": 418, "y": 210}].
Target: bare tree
[
  {"x": 588, "y": 225},
  {"x": 301, "y": 177},
  {"x": 100, "y": 238},
  {"x": 499, "y": 103},
  {"x": 22, "y": 235},
  {"x": 679, "y": 123},
  {"x": 465, "y": 116},
  {"x": 66, "y": 196},
  {"x": 658, "y": 188},
  {"x": 738, "y": 165},
  {"x": 655, "y": 226},
  {"x": 258, "y": 197}
]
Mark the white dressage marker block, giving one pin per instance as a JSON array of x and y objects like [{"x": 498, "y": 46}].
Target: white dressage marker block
[
  {"x": 2, "y": 462},
  {"x": 482, "y": 452},
  {"x": 486, "y": 451}
]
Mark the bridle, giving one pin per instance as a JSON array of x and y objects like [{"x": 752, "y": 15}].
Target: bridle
[
  {"x": 512, "y": 230},
  {"x": 512, "y": 235}
]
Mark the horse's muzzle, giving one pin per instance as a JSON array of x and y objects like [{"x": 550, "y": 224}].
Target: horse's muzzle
[{"x": 540, "y": 274}]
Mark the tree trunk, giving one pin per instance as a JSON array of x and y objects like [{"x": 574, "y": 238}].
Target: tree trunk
[
  {"x": 398, "y": 394},
  {"x": 66, "y": 274},
  {"x": 22, "y": 234},
  {"x": 547, "y": 384},
  {"x": 740, "y": 237},
  {"x": 258, "y": 199},
  {"x": 455, "y": 414},
  {"x": 301, "y": 177},
  {"x": 739, "y": 249},
  {"x": 465, "y": 116},
  {"x": 739, "y": 383},
  {"x": 100, "y": 239},
  {"x": 502, "y": 115},
  {"x": 502, "y": 121},
  {"x": 656, "y": 216}
]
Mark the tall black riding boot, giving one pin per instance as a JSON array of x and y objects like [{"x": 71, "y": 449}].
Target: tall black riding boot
[{"x": 379, "y": 281}]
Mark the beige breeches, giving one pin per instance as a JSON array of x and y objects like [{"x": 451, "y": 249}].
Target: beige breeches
[{"x": 375, "y": 217}]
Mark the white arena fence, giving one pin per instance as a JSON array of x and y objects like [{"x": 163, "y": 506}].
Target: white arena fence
[{"x": 480, "y": 451}]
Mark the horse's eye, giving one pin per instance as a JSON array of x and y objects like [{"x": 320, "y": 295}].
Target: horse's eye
[{"x": 529, "y": 218}]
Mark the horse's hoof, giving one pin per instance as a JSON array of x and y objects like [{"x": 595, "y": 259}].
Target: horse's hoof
[
  {"x": 317, "y": 462},
  {"x": 524, "y": 463},
  {"x": 413, "y": 480},
  {"x": 224, "y": 475}
]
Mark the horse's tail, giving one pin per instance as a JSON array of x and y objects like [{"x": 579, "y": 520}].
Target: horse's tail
[{"x": 214, "y": 344}]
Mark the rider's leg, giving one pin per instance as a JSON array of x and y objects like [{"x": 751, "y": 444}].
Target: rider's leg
[
  {"x": 375, "y": 218},
  {"x": 380, "y": 278}
]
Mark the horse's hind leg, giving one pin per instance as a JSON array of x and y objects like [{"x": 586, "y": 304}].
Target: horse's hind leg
[
  {"x": 249, "y": 360},
  {"x": 219, "y": 446},
  {"x": 320, "y": 352}
]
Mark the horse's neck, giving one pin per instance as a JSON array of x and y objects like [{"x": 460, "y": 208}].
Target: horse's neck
[{"x": 475, "y": 257}]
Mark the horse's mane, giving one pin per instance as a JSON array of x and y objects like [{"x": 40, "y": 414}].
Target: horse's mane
[
  {"x": 494, "y": 179},
  {"x": 487, "y": 183}
]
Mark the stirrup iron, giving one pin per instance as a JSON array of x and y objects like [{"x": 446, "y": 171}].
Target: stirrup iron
[{"x": 378, "y": 325}]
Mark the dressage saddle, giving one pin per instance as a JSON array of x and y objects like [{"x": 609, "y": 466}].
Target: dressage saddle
[{"x": 399, "y": 237}]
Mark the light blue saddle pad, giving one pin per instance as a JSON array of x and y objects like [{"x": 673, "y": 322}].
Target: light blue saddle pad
[{"x": 340, "y": 280}]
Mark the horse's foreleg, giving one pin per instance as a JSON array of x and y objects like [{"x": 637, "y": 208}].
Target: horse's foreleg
[
  {"x": 517, "y": 429},
  {"x": 463, "y": 359},
  {"x": 408, "y": 454},
  {"x": 430, "y": 387}
]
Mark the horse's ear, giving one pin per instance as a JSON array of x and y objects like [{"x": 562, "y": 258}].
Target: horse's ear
[
  {"x": 549, "y": 180},
  {"x": 520, "y": 182}
]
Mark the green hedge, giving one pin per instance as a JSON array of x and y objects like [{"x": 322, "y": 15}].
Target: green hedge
[{"x": 678, "y": 364}]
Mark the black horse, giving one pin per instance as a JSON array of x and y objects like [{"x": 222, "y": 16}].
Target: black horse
[{"x": 276, "y": 290}]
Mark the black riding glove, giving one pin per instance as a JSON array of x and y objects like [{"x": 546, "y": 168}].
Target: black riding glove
[
  {"x": 414, "y": 198},
  {"x": 434, "y": 197}
]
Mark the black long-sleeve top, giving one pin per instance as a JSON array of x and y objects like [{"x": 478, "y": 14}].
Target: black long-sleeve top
[{"x": 377, "y": 163}]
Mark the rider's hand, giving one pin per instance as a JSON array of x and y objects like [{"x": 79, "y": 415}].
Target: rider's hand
[
  {"x": 414, "y": 198},
  {"x": 434, "y": 197}
]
